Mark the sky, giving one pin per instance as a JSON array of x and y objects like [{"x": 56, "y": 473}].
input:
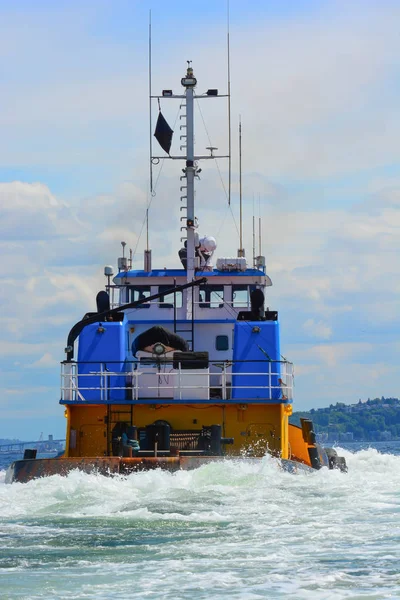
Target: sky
[{"x": 317, "y": 86}]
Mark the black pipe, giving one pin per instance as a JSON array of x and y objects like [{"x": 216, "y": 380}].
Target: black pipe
[{"x": 77, "y": 328}]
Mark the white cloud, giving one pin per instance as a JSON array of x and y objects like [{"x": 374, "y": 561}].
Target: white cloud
[
  {"x": 317, "y": 329},
  {"x": 316, "y": 106},
  {"x": 315, "y": 102},
  {"x": 46, "y": 361},
  {"x": 334, "y": 354}
]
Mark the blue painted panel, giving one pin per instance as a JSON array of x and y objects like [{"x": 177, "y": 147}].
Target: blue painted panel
[
  {"x": 102, "y": 350},
  {"x": 153, "y": 273},
  {"x": 254, "y": 346}
]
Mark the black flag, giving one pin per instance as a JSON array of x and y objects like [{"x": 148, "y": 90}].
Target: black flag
[{"x": 163, "y": 133}]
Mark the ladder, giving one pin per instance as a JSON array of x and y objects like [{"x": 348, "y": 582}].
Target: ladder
[
  {"x": 187, "y": 327},
  {"x": 183, "y": 187},
  {"x": 114, "y": 417}
]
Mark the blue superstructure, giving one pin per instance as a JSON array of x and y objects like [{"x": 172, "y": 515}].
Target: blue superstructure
[
  {"x": 102, "y": 350},
  {"x": 256, "y": 356}
]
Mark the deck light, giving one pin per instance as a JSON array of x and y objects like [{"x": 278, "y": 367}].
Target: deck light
[
  {"x": 167, "y": 93},
  {"x": 212, "y": 92},
  {"x": 159, "y": 349},
  {"x": 188, "y": 81}
]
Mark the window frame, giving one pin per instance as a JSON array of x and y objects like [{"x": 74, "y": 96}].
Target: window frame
[
  {"x": 139, "y": 288},
  {"x": 178, "y": 296},
  {"x": 249, "y": 287},
  {"x": 222, "y": 335},
  {"x": 208, "y": 290}
]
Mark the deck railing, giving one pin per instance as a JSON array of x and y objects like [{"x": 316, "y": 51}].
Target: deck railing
[{"x": 230, "y": 380}]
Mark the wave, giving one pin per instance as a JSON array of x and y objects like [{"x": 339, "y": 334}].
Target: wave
[{"x": 185, "y": 495}]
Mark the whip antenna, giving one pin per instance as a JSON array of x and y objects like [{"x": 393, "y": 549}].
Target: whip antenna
[
  {"x": 254, "y": 237},
  {"x": 229, "y": 112},
  {"x": 147, "y": 252},
  {"x": 259, "y": 225},
  {"x": 150, "y": 119},
  {"x": 241, "y": 249}
]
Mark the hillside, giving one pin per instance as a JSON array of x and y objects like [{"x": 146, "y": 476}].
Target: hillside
[{"x": 373, "y": 420}]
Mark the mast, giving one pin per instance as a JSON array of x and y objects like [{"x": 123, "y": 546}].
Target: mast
[
  {"x": 191, "y": 169},
  {"x": 189, "y": 83}
]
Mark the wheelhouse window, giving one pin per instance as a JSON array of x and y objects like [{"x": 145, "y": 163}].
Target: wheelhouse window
[
  {"x": 211, "y": 296},
  {"x": 139, "y": 292},
  {"x": 167, "y": 300},
  {"x": 241, "y": 295}
]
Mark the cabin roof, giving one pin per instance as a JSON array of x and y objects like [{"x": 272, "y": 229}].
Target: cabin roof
[{"x": 182, "y": 273}]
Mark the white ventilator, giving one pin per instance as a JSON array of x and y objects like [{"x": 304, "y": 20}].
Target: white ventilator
[{"x": 232, "y": 264}]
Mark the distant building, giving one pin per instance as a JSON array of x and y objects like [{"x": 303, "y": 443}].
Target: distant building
[{"x": 347, "y": 436}]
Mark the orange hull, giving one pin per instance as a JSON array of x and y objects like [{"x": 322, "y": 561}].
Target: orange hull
[{"x": 24, "y": 470}]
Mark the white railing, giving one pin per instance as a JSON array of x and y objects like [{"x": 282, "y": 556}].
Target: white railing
[{"x": 81, "y": 383}]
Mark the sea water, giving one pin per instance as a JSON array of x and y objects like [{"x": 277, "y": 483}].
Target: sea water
[{"x": 226, "y": 530}]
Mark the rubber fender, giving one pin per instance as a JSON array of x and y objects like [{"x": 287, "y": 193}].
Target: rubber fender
[
  {"x": 30, "y": 453},
  {"x": 335, "y": 461},
  {"x": 307, "y": 428},
  {"x": 314, "y": 457}
]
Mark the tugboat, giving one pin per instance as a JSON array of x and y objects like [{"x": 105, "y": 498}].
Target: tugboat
[{"x": 178, "y": 367}]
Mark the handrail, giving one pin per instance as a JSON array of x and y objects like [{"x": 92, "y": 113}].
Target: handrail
[
  {"x": 275, "y": 382},
  {"x": 171, "y": 360}
]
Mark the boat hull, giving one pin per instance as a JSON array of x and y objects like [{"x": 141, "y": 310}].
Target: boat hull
[{"x": 25, "y": 470}]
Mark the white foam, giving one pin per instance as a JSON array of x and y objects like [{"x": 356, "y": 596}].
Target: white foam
[{"x": 232, "y": 529}]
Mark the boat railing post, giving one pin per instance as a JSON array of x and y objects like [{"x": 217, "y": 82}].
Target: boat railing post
[
  {"x": 179, "y": 381},
  {"x": 269, "y": 379},
  {"x": 66, "y": 381},
  {"x": 223, "y": 381},
  {"x": 101, "y": 382},
  {"x": 73, "y": 381},
  {"x": 137, "y": 385},
  {"x": 107, "y": 381},
  {"x": 289, "y": 377},
  {"x": 62, "y": 381}
]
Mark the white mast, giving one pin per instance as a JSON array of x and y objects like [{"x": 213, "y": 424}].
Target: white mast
[
  {"x": 189, "y": 83},
  {"x": 191, "y": 171}
]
